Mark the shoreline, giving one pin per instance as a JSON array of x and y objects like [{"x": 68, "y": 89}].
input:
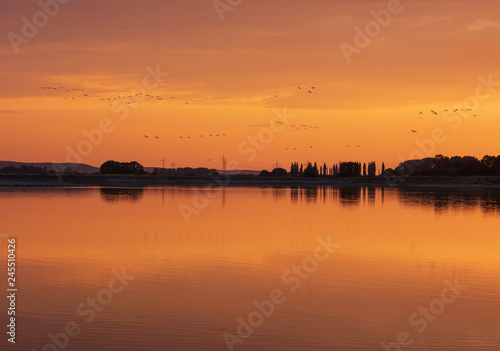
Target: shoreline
[{"x": 144, "y": 181}]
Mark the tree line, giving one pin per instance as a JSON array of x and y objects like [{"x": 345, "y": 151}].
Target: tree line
[
  {"x": 342, "y": 169},
  {"x": 440, "y": 165}
]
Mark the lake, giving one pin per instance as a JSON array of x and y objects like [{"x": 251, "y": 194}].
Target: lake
[{"x": 350, "y": 268}]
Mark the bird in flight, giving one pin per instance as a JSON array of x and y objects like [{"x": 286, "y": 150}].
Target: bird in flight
[
  {"x": 414, "y": 131},
  {"x": 156, "y": 136},
  {"x": 309, "y": 91},
  {"x": 146, "y": 136}
]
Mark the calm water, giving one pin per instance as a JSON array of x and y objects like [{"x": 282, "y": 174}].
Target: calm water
[{"x": 398, "y": 250}]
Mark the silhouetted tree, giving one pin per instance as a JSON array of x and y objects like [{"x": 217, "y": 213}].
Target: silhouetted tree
[
  {"x": 279, "y": 172},
  {"x": 311, "y": 171},
  {"x": 114, "y": 167},
  {"x": 335, "y": 170},
  {"x": 454, "y": 166},
  {"x": 364, "y": 169},
  {"x": 372, "y": 169},
  {"x": 350, "y": 169}
]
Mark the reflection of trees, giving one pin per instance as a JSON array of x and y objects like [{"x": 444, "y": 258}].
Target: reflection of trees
[
  {"x": 310, "y": 194},
  {"x": 442, "y": 199},
  {"x": 347, "y": 195},
  {"x": 294, "y": 195},
  {"x": 119, "y": 194},
  {"x": 490, "y": 200},
  {"x": 371, "y": 194},
  {"x": 350, "y": 195}
]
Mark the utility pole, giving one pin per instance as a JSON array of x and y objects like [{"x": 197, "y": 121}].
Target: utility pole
[
  {"x": 224, "y": 163},
  {"x": 162, "y": 166}
]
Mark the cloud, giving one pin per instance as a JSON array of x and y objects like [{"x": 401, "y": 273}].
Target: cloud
[
  {"x": 480, "y": 24},
  {"x": 9, "y": 111}
]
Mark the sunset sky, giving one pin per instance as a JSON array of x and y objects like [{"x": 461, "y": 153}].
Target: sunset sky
[{"x": 237, "y": 72}]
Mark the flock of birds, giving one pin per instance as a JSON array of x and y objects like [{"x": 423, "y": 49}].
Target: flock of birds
[
  {"x": 63, "y": 88},
  {"x": 127, "y": 99},
  {"x": 113, "y": 100},
  {"x": 77, "y": 93},
  {"x": 310, "y": 91},
  {"x": 294, "y": 127},
  {"x": 67, "y": 90},
  {"x": 203, "y": 136},
  {"x": 187, "y": 136},
  {"x": 435, "y": 113}
]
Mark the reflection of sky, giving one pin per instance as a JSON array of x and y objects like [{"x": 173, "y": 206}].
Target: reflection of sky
[{"x": 192, "y": 281}]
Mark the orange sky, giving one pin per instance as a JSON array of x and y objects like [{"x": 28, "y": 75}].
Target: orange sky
[{"x": 430, "y": 56}]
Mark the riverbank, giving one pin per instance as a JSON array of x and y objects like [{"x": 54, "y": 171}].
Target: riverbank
[{"x": 235, "y": 180}]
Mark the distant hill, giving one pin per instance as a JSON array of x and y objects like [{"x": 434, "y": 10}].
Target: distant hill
[{"x": 58, "y": 167}]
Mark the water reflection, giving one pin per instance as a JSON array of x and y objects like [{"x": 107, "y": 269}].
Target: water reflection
[
  {"x": 121, "y": 194},
  {"x": 440, "y": 199},
  {"x": 193, "y": 279},
  {"x": 443, "y": 199}
]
